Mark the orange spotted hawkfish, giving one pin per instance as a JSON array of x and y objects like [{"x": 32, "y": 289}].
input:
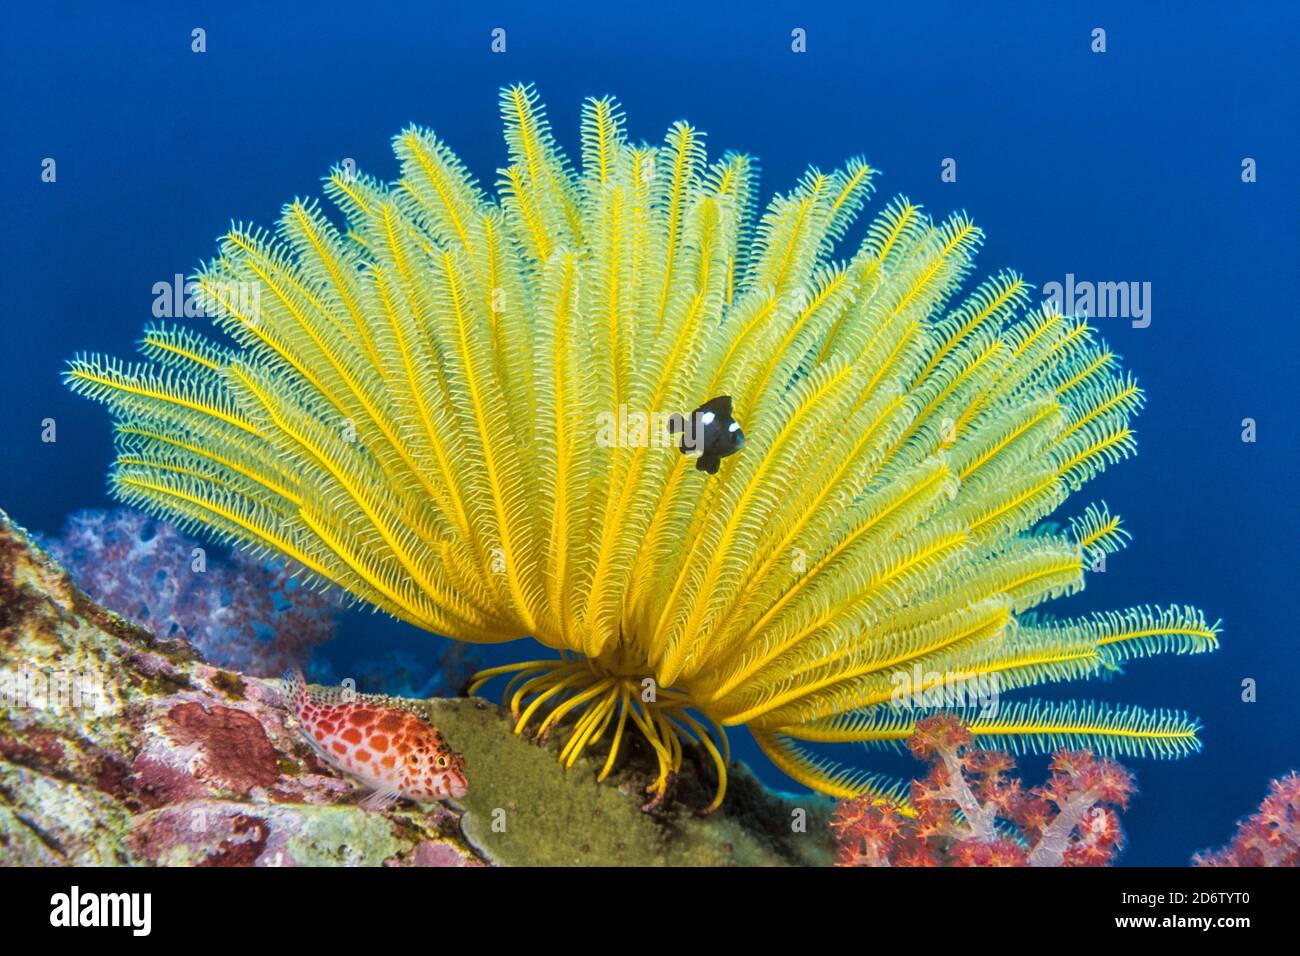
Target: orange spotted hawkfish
[{"x": 391, "y": 751}]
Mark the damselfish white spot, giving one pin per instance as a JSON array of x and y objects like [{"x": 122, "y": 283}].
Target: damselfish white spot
[
  {"x": 734, "y": 427},
  {"x": 707, "y": 418}
]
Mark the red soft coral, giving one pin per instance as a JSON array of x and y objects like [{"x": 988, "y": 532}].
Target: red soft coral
[
  {"x": 1268, "y": 837},
  {"x": 957, "y": 806}
]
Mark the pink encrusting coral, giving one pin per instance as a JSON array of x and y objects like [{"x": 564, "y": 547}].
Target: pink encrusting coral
[
  {"x": 240, "y": 614},
  {"x": 970, "y": 811},
  {"x": 1268, "y": 837}
]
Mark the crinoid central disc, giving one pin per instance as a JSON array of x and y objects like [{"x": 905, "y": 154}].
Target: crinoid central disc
[{"x": 589, "y": 701}]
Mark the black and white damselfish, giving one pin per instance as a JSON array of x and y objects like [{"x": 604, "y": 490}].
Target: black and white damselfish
[{"x": 709, "y": 432}]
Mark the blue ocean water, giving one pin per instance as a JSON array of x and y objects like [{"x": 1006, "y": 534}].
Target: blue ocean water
[{"x": 1122, "y": 166}]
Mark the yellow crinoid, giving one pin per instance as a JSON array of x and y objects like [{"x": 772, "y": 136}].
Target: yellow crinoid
[{"x": 452, "y": 406}]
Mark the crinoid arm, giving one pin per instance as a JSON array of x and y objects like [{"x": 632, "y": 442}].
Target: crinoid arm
[{"x": 451, "y": 402}]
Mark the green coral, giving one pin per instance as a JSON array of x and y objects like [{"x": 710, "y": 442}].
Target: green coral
[{"x": 546, "y": 815}]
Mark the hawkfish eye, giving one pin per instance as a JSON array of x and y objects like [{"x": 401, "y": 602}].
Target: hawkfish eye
[{"x": 442, "y": 761}]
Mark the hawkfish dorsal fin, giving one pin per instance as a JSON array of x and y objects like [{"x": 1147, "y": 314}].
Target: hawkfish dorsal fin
[
  {"x": 296, "y": 691},
  {"x": 293, "y": 686}
]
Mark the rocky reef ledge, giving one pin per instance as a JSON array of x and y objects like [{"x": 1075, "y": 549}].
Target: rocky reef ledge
[{"x": 120, "y": 748}]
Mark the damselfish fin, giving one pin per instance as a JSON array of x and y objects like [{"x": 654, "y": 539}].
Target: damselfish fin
[
  {"x": 379, "y": 800},
  {"x": 709, "y": 463},
  {"x": 720, "y": 407}
]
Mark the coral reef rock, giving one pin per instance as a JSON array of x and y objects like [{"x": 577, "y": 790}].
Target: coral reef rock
[{"x": 118, "y": 748}]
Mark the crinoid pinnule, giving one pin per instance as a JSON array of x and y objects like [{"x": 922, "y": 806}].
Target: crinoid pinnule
[{"x": 445, "y": 404}]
